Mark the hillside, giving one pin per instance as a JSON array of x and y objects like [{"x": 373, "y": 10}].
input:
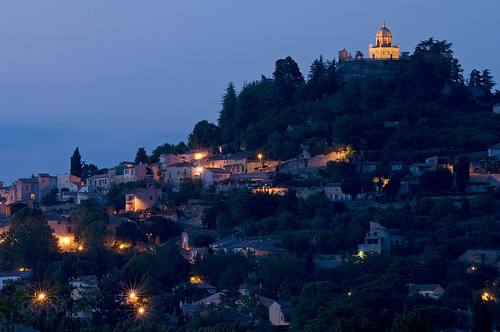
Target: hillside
[{"x": 396, "y": 111}]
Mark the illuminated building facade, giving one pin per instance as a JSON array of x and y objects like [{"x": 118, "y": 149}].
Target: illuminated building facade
[{"x": 384, "y": 49}]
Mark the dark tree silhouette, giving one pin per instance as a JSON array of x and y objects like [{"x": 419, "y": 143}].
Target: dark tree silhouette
[
  {"x": 76, "y": 164},
  {"x": 141, "y": 157}
]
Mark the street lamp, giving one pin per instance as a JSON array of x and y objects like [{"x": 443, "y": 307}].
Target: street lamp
[
  {"x": 149, "y": 238},
  {"x": 260, "y": 157}
]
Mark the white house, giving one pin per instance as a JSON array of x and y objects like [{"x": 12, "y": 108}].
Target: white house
[
  {"x": 277, "y": 312},
  {"x": 13, "y": 276}
]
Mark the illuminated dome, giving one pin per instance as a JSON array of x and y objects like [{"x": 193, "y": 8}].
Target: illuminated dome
[
  {"x": 384, "y": 36},
  {"x": 384, "y": 49}
]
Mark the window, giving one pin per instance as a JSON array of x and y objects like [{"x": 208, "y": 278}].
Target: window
[
  {"x": 32, "y": 196},
  {"x": 150, "y": 198}
]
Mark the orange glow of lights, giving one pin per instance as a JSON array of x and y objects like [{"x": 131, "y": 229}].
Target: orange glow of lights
[
  {"x": 141, "y": 310},
  {"x": 198, "y": 156},
  {"x": 66, "y": 240},
  {"x": 195, "y": 280},
  {"x": 41, "y": 296},
  {"x": 122, "y": 246}
]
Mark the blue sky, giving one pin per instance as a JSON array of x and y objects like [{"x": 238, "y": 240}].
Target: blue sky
[{"x": 113, "y": 76}]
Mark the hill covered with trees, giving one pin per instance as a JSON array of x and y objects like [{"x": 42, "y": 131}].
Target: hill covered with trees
[{"x": 427, "y": 104}]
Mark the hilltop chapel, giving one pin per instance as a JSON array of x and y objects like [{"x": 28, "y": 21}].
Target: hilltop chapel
[{"x": 384, "y": 49}]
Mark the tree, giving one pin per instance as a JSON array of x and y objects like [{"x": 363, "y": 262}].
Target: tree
[
  {"x": 337, "y": 170},
  {"x": 205, "y": 134},
  {"x": 141, "y": 157},
  {"x": 227, "y": 114},
  {"x": 76, "y": 164},
  {"x": 91, "y": 222},
  {"x": 50, "y": 198},
  {"x": 161, "y": 267},
  {"x": 487, "y": 80},
  {"x": 279, "y": 275},
  {"x": 89, "y": 170},
  {"x": 166, "y": 149},
  {"x": 287, "y": 78},
  {"x": 359, "y": 55},
  {"x": 475, "y": 78},
  {"x": 354, "y": 185},
  {"x": 461, "y": 169},
  {"x": 392, "y": 187},
  {"x": 313, "y": 296},
  {"x": 438, "y": 180},
  {"x": 415, "y": 320},
  {"x": 29, "y": 243},
  {"x": 480, "y": 315}
]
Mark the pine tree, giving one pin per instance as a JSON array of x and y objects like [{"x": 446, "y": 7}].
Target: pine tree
[
  {"x": 461, "y": 169},
  {"x": 141, "y": 157},
  {"x": 76, "y": 164}
]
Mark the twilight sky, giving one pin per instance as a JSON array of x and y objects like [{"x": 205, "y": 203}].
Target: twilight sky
[{"x": 113, "y": 76}]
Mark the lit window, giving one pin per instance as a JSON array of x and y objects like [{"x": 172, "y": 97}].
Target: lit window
[{"x": 32, "y": 196}]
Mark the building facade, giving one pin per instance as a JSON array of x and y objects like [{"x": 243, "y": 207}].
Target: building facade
[{"x": 383, "y": 48}]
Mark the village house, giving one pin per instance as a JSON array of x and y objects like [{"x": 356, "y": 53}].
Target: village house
[
  {"x": 431, "y": 164},
  {"x": 98, "y": 182},
  {"x": 13, "y": 276},
  {"x": 189, "y": 235},
  {"x": 379, "y": 240},
  {"x": 259, "y": 248},
  {"x": 277, "y": 312},
  {"x": 194, "y": 155},
  {"x": 334, "y": 192},
  {"x": 71, "y": 182},
  {"x": 143, "y": 172},
  {"x": 235, "y": 163},
  {"x": 62, "y": 229},
  {"x": 84, "y": 287},
  {"x": 212, "y": 176},
  {"x": 142, "y": 198},
  {"x": 27, "y": 189},
  {"x": 175, "y": 173},
  {"x": 46, "y": 183},
  {"x": 433, "y": 291},
  {"x": 370, "y": 166}
]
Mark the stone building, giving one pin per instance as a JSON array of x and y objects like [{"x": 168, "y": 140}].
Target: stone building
[{"x": 383, "y": 49}]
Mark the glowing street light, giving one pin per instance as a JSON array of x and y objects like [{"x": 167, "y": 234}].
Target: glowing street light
[{"x": 260, "y": 157}]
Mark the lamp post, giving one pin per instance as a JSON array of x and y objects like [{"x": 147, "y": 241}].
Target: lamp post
[
  {"x": 260, "y": 157},
  {"x": 149, "y": 238}
]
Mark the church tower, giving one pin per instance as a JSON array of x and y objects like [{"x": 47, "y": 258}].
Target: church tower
[{"x": 384, "y": 49}]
